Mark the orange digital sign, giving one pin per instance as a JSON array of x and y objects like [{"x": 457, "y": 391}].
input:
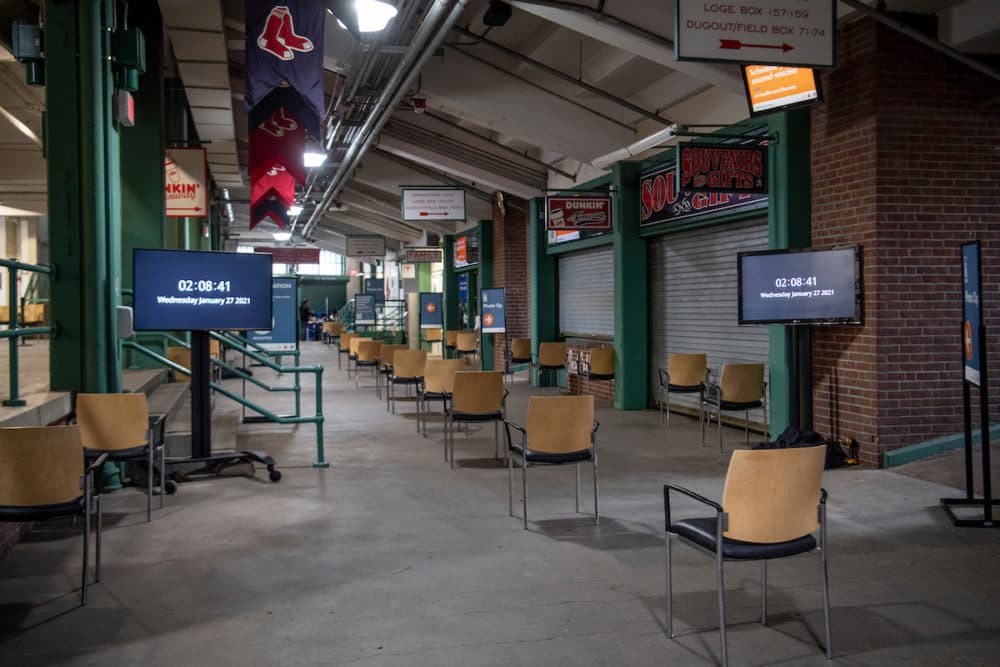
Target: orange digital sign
[{"x": 770, "y": 88}]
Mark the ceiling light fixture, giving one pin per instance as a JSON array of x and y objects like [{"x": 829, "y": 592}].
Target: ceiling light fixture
[
  {"x": 373, "y": 15},
  {"x": 313, "y": 158},
  {"x": 294, "y": 209},
  {"x": 282, "y": 236},
  {"x": 20, "y": 125}
]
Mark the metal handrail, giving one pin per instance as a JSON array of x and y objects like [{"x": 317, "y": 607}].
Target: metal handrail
[
  {"x": 315, "y": 419},
  {"x": 15, "y": 332}
]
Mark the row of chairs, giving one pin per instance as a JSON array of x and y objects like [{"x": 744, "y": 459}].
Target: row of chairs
[
  {"x": 560, "y": 430},
  {"x": 741, "y": 387},
  {"x": 53, "y": 472}
]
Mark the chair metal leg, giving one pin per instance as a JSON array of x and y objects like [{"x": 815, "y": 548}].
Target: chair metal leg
[
  {"x": 746, "y": 425},
  {"x": 163, "y": 472},
  {"x": 826, "y": 607},
  {"x": 86, "y": 538},
  {"x": 670, "y": 588},
  {"x": 524, "y": 490},
  {"x": 577, "y": 488},
  {"x": 447, "y": 428},
  {"x": 718, "y": 414},
  {"x": 496, "y": 439},
  {"x": 703, "y": 421},
  {"x": 100, "y": 525},
  {"x": 763, "y": 592},
  {"x": 722, "y": 595},
  {"x": 149, "y": 482},
  {"x": 597, "y": 514},
  {"x": 510, "y": 485},
  {"x": 451, "y": 445}
]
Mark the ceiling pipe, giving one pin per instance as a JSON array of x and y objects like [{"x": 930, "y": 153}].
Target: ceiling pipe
[{"x": 432, "y": 31}]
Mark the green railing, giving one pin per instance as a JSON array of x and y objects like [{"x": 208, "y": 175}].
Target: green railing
[
  {"x": 234, "y": 343},
  {"x": 14, "y": 331}
]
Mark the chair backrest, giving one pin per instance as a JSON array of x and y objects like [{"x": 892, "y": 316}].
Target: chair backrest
[
  {"x": 432, "y": 335},
  {"x": 451, "y": 337},
  {"x": 336, "y": 328},
  {"x": 409, "y": 363},
  {"x": 368, "y": 350},
  {"x": 182, "y": 357},
  {"x": 34, "y": 312},
  {"x": 387, "y": 352},
  {"x": 328, "y": 327},
  {"x": 687, "y": 370},
  {"x": 560, "y": 424},
  {"x": 742, "y": 383},
  {"x": 439, "y": 375},
  {"x": 520, "y": 349},
  {"x": 112, "y": 421},
  {"x": 40, "y": 465},
  {"x": 214, "y": 348},
  {"x": 478, "y": 392},
  {"x": 552, "y": 354},
  {"x": 602, "y": 361},
  {"x": 345, "y": 341},
  {"x": 467, "y": 341},
  {"x": 4, "y": 313},
  {"x": 355, "y": 341},
  {"x": 771, "y": 494}
]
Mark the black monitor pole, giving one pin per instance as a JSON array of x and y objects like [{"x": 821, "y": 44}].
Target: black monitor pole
[{"x": 201, "y": 396}]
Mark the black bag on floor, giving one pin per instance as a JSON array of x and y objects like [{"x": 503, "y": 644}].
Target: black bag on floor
[{"x": 793, "y": 437}]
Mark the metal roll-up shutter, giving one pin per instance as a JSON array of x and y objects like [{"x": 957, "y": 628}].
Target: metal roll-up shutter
[
  {"x": 693, "y": 300},
  {"x": 587, "y": 292}
]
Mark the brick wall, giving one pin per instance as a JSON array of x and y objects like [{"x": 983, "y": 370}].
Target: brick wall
[
  {"x": 904, "y": 163},
  {"x": 510, "y": 269}
]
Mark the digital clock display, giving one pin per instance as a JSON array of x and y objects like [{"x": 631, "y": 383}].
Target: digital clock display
[
  {"x": 190, "y": 290},
  {"x": 781, "y": 287}
]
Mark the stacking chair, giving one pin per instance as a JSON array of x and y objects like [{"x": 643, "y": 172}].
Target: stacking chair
[
  {"x": 741, "y": 387},
  {"x": 368, "y": 357},
  {"x": 467, "y": 345},
  {"x": 551, "y": 359},
  {"x": 561, "y": 430},
  {"x": 520, "y": 353},
  {"x": 407, "y": 370},
  {"x": 352, "y": 353},
  {"x": 344, "y": 348},
  {"x": 385, "y": 355},
  {"x": 432, "y": 336},
  {"x": 478, "y": 397},
  {"x": 450, "y": 340},
  {"x": 182, "y": 357},
  {"x": 685, "y": 374},
  {"x": 771, "y": 504},
  {"x": 120, "y": 427},
  {"x": 42, "y": 476},
  {"x": 601, "y": 366},
  {"x": 438, "y": 384}
]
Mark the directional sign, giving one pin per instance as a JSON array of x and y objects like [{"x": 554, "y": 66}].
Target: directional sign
[
  {"x": 186, "y": 175},
  {"x": 284, "y": 318},
  {"x": 770, "y": 32},
  {"x": 365, "y": 245},
  {"x": 493, "y": 300},
  {"x": 424, "y": 204}
]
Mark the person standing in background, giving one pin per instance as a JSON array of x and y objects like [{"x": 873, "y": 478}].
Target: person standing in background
[{"x": 304, "y": 318}]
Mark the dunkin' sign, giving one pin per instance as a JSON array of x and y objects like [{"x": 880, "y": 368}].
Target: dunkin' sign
[
  {"x": 578, "y": 213},
  {"x": 661, "y": 201}
]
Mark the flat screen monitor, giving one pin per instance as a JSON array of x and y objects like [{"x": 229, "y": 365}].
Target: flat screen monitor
[
  {"x": 800, "y": 287},
  {"x": 192, "y": 290},
  {"x": 771, "y": 88}
]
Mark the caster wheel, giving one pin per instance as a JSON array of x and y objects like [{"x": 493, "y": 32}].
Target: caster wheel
[
  {"x": 274, "y": 475},
  {"x": 170, "y": 487}
]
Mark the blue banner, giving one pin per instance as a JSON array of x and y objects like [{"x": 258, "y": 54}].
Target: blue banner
[
  {"x": 493, "y": 307},
  {"x": 364, "y": 309},
  {"x": 431, "y": 310},
  {"x": 972, "y": 310},
  {"x": 376, "y": 287},
  {"x": 284, "y": 318}
]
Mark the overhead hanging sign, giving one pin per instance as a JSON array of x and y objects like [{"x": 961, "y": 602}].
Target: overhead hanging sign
[
  {"x": 660, "y": 201},
  {"x": 770, "y": 32},
  {"x": 364, "y": 309},
  {"x": 284, "y": 318},
  {"x": 972, "y": 310},
  {"x": 187, "y": 176},
  {"x": 771, "y": 88},
  {"x": 722, "y": 168},
  {"x": 493, "y": 302},
  {"x": 409, "y": 271},
  {"x": 431, "y": 310},
  {"x": 365, "y": 245},
  {"x": 291, "y": 255},
  {"x": 422, "y": 255},
  {"x": 424, "y": 204},
  {"x": 578, "y": 212}
]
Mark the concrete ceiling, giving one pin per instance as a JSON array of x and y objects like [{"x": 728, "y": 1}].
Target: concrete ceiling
[{"x": 516, "y": 108}]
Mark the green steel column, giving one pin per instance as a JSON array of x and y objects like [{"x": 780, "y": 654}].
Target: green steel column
[
  {"x": 451, "y": 320},
  {"x": 544, "y": 298},
  {"x": 486, "y": 351},
  {"x": 423, "y": 277},
  {"x": 789, "y": 226},
  {"x": 631, "y": 286},
  {"x": 84, "y": 193}
]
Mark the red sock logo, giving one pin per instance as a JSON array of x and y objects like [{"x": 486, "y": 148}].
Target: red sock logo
[
  {"x": 279, "y": 123},
  {"x": 278, "y": 36}
]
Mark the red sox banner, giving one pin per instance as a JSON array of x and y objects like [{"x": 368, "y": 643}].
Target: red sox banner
[
  {"x": 277, "y": 180},
  {"x": 285, "y": 45},
  {"x": 292, "y": 105},
  {"x": 271, "y": 207},
  {"x": 279, "y": 141}
]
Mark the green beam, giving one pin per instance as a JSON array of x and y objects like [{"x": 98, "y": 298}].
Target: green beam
[
  {"x": 423, "y": 277},
  {"x": 485, "y": 280},
  {"x": 789, "y": 226},
  {"x": 451, "y": 314},
  {"x": 544, "y": 299},
  {"x": 631, "y": 311},
  {"x": 84, "y": 195}
]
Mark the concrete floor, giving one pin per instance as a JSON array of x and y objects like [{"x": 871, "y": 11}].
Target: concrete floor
[{"x": 390, "y": 558}]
